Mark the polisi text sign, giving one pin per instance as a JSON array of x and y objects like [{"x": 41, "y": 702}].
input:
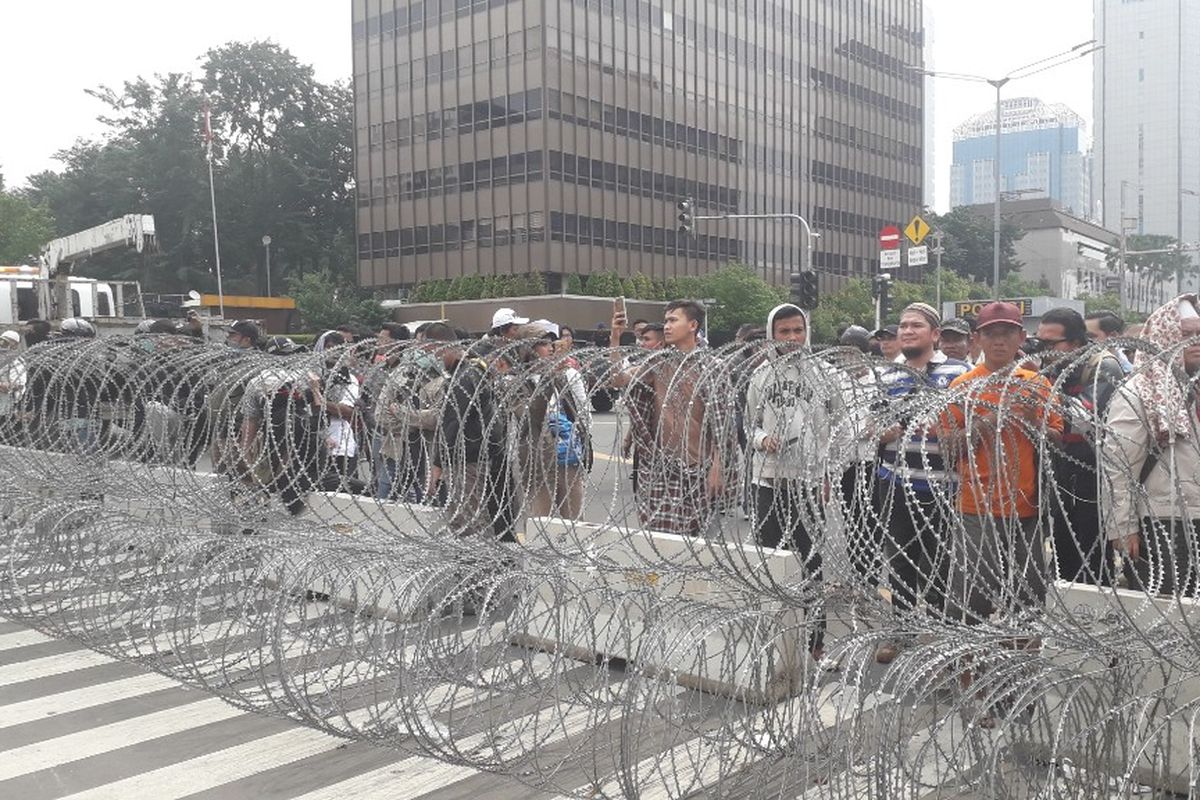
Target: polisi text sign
[{"x": 965, "y": 307}]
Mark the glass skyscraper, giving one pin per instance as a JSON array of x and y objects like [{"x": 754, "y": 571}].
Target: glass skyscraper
[
  {"x": 557, "y": 136},
  {"x": 1042, "y": 155}
]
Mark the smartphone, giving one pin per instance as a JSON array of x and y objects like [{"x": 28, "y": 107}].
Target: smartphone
[{"x": 619, "y": 309}]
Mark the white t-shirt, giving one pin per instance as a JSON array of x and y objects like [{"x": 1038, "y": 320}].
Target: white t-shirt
[
  {"x": 340, "y": 437},
  {"x": 12, "y": 384}
]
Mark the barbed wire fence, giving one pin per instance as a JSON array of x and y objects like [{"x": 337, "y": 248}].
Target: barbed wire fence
[{"x": 596, "y": 605}]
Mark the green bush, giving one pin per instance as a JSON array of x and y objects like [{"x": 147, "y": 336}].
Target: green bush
[{"x": 324, "y": 304}]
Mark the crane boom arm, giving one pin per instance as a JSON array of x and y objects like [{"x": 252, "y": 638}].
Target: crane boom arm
[{"x": 131, "y": 230}]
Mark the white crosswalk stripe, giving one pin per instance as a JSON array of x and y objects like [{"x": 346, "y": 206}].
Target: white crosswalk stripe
[
  {"x": 83, "y": 744},
  {"x": 406, "y": 779},
  {"x": 409, "y": 776},
  {"x": 215, "y": 769},
  {"x": 48, "y": 666},
  {"x": 86, "y": 697},
  {"x": 415, "y": 776},
  {"x": 11, "y": 641},
  {"x": 71, "y": 760}
]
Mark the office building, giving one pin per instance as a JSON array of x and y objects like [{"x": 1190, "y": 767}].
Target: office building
[
  {"x": 557, "y": 136},
  {"x": 931, "y": 113},
  {"x": 1147, "y": 107},
  {"x": 1042, "y": 154},
  {"x": 1065, "y": 254}
]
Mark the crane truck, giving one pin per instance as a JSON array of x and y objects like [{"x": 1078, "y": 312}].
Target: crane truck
[{"x": 50, "y": 291}]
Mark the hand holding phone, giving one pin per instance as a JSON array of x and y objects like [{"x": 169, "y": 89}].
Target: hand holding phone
[{"x": 620, "y": 316}]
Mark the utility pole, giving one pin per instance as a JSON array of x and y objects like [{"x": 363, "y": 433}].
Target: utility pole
[
  {"x": 212, "y": 196},
  {"x": 999, "y": 84},
  {"x": 1121, "y": 266},
  {"x": 266, "y": 240},
  {"x": 938, "y": 250},
  {"x": 1123, "y": 292}
]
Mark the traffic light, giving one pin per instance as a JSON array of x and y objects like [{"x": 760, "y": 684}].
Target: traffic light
[
  {"x": 804, "y": 289},
  {"x": 881, "y": 284},
  {"x": 687, "y": 220}
]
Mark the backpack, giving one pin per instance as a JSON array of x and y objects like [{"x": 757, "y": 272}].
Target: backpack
[
  {"x": 569, "y": 446},
  {"x": 582, "y": 436}
]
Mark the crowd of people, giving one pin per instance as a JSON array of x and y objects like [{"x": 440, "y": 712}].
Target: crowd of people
[{"x": 954, "y": 454}]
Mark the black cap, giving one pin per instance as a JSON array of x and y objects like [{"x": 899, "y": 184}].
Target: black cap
[
  {"x": 244, "y": 327},
  {"x": 281, "y": 346},
  {"x": 855, "y": 336},
  {"x": 959, "y": 326},
  {"x": 887, "y": 331}
]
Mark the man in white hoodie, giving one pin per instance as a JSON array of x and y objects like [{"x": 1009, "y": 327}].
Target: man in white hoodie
[{"x": 792, "y": 404}]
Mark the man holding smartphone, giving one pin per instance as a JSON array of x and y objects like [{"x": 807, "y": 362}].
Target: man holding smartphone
[{"x": 681, "y": 419}]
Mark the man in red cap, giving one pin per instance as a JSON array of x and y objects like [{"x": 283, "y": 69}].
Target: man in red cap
[{"x": 1000, "y": 413}]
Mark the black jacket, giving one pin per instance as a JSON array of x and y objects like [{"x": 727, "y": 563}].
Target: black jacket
[{"x": 473, "y": 426}]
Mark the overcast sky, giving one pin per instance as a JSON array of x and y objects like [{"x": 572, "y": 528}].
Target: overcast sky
[{"x": 55, "y": 49}]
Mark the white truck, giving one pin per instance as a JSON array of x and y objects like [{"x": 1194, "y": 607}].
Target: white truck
[
  {"x": 21, "y": 290},
  {"x": 49, "y": 291}
]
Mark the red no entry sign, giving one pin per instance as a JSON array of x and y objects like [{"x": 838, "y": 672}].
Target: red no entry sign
[{"x": 889, "y": 238}]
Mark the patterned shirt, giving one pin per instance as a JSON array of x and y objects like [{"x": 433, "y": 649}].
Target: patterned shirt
[{"x": 918, "y": 459}]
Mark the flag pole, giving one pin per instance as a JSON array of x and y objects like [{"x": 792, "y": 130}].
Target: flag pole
[{"x": 212, "y": 196}]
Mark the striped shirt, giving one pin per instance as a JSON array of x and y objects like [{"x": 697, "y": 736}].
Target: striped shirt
[{"x": 918, "y": 459}]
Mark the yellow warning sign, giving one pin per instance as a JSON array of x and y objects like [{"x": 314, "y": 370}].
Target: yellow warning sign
[{"x": 917, "y": 230}]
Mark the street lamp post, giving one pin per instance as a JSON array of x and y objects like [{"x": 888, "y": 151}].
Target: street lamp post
[
  {"x": 998, "y": 84},
  {"x": 938, "y": 251},
  {"x": 808, "y": 231},
  {"x": 1078, "y": 51},
  {"x": 266, "y": 240}
]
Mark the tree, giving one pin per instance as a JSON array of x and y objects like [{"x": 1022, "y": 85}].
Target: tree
[
  {"x": 283, "y": 166},
  {"x": 741, "y": 296},
  {"x": 324, "y": 304},
  {"x": 644, "y": 288},
  {"x": 24, "y": 228},
  {"x": 531, "y": 283},
  {"x": 1147, "y": 272},
  {"x": 603, "y": 284},
  {"x": 853, "y": 304},
  {"x": 1109, "y": 301},
  {"x": 1013, "y": 285},
  {"x": 969, "y": 243}
]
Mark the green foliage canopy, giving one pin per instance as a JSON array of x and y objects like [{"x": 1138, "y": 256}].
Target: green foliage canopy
[
  {"x": 283, "y": 166},
  {"x": 24, "y": 228},
  {"x": 324, "y": 304}
]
